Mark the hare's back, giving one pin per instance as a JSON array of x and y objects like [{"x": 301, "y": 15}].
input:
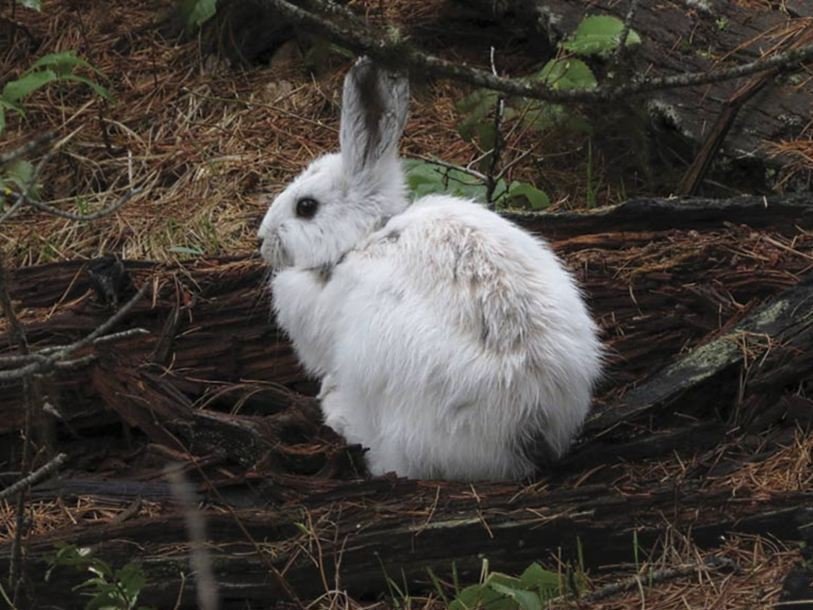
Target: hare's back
[{"x": 479, "y": 275}]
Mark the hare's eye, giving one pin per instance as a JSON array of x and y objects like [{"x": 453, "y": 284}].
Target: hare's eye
[{"x": 306, "y": 207}]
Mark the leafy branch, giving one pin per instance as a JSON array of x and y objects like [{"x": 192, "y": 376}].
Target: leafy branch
[{"x": 391, "y": 48}]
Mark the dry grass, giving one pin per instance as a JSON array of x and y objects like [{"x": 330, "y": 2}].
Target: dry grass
[
  {"x": 756, "y": 584},
  {"x": 51, "y": 515},
  {"x": 206, "y": 143}
]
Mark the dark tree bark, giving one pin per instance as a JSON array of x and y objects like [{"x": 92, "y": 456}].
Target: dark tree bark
[{"x": 705, "y": 308}]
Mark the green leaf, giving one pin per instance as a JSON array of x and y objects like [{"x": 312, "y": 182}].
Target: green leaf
[
  {"x": 599, "y": 35},
  {"x": 32, "y": 4},
  {"x": 107, "y": 598},
  {"x": 131, "y": 579},
  {"x": 567, "y": 74},
  {"x": 61, "y": 63},
  {"x": 68, "y": 555},
  {"x": 426, "y": 178},
  {"x": 475, "y": 107},
  {"x": 535, "y": 577},
  {"x": 21, "y": 173},
  {"x": 191, "y": 250},
  {"x": 15, "y": 90},
  {"x": 546, "y": 583},
  {"x": 541, "y": 116},
  {"x": 197, "y": 12},
  {"x": 520, "y": 192},
  {"x": 482, "y": 597},
  {"x": 527, "y": 600}
]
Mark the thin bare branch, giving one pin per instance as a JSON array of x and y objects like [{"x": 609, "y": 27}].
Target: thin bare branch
[
  {"x": 625, "y": 31},
  {"x": 28, "y": 147},
  {"x": 25, "y": 190},
  {"x": 34, "y": 477},
  {"x": 24, "y": 197},
  {"x": 392, "y": 49},
  {"x": 496, "y": 149},
  {"x": 48, "y": 209},
  {"x": 713, "y": 563},
  {"x": 21, "y": 372},
  {"x": 465, "y": 169},
  {"x": 56, "y": 356},
  {"x": 105, "y": 327}
]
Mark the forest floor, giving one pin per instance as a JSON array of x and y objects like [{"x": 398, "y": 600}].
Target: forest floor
[{"x": 208, "y": 141}]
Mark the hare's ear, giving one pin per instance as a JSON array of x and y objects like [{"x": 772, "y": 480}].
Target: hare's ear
[{"x": 374, "y": 110}]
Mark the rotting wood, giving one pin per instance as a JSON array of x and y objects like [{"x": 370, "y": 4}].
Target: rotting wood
[
  {"x": 365, "y": 533},
  {"x": 782, "y": 324},
  {"x": 700, "y": 214}
]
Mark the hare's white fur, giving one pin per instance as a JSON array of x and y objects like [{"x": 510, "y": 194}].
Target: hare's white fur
[{"x": 447, "y": 339}]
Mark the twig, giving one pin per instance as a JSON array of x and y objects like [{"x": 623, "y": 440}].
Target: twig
[
  {"x": 34, "y": 477},
  {"x": 278, "y": 576},
  {"x": 50, "y": 357},
  {"x": 42, "y": 356},
  {"x": 395, "y": 51},
  {"x": 106, "y": 326},
  {"x": 465, "y": 169},
  {"x": 24, "y": 196},
  {"x": 199, "y": 559},
  {"x": 496, "y": 149},
  {"x": 22, "y": 150},
  {"x": 633, "y": 582},
  {"x": 44, "y": 207},
  {"x": 693, "y": 178},
  {"x": 513, "y": 162},
  {"x": 625, "y": 32}
]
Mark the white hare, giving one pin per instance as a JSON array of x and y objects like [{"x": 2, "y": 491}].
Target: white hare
[{"x": 449, "y": 342}]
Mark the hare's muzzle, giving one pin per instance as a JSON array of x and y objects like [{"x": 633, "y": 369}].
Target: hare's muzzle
[{"x": 273, "y": 251}]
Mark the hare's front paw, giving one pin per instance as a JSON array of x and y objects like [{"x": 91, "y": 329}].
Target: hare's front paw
[
  {"x": 301, "y": 311},
  {"x": 343, "y": 414}
]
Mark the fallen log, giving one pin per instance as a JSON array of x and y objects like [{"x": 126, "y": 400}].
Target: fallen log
[
  {"x": 356, "y": 537},
  {"x": 784, "y": 323},
  {"x": 210, "y": 326}
]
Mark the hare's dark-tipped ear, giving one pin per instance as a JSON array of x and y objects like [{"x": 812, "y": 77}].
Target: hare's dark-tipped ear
[{"x": 374, "y": 111}]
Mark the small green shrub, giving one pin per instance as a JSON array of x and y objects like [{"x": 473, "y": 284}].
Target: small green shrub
[
  {"x": 51, "y": 68},
  {"x": 106, "y": 588},
  {"x": 196, "y": 12},
  {"x": 425, "y": 177},
  {"x": 595, "y": 36},
  {"x": 530, "y": 591}
]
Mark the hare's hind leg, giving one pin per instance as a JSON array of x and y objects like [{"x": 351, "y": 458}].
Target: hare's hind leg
[{"x": 349, "y": 416}]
